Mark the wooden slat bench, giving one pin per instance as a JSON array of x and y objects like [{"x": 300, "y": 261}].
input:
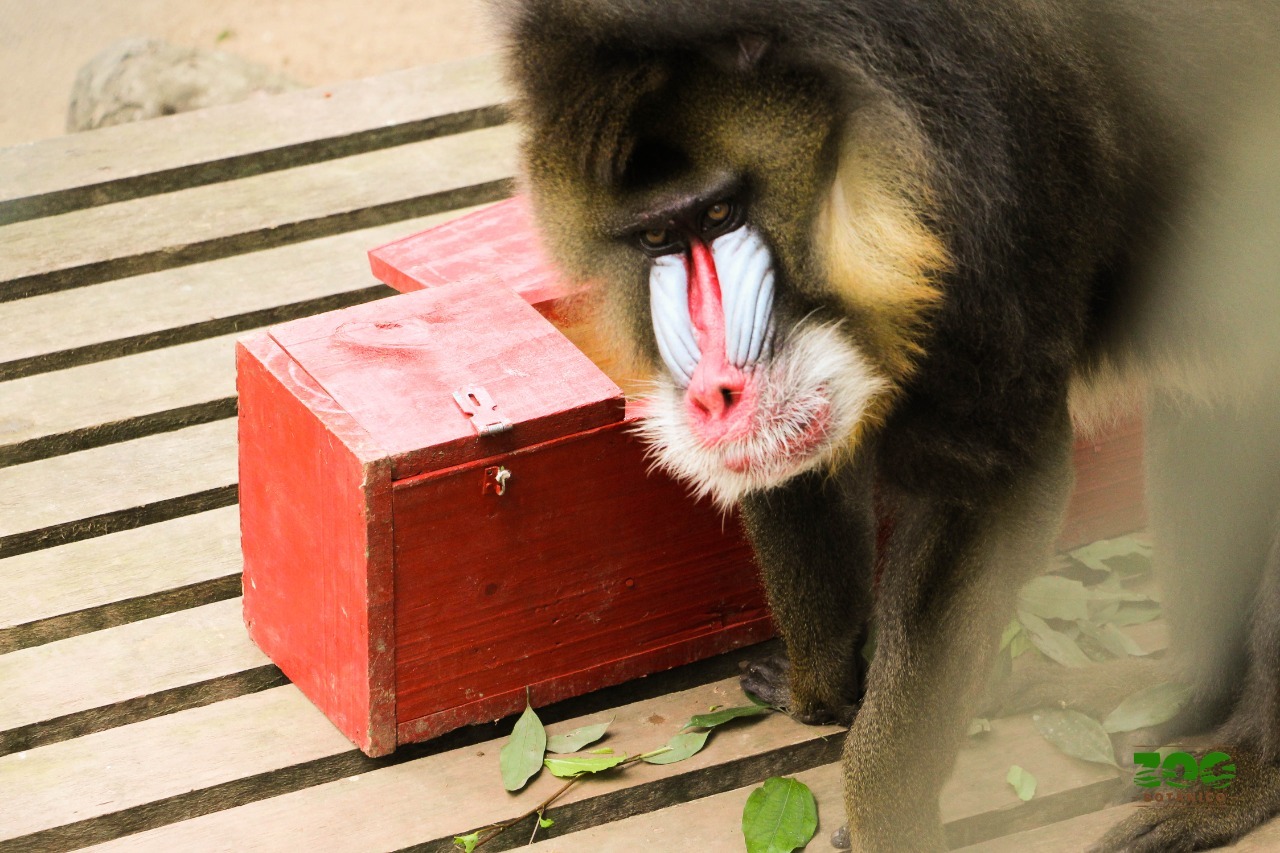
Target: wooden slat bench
[{"x": 134, "y": 712}]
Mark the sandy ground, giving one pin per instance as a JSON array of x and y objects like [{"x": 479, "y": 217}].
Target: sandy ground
[{"x": 43, "y": 43}]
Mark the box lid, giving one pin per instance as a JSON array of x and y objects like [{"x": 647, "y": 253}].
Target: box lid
[
  {"x": 498, "y": 244},
  {"x": 405, "y": 367}
]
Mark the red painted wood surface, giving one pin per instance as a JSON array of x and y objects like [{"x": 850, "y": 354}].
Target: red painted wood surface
[
  {"x": 394, "y": 365},
  {"x": 1108, "y": 499},
  {"x": 372, "y": 532},
  {"x": 315, "y": 509},
  {"x": 496, "y": 245},
  {"x": 575, "y": 578}
]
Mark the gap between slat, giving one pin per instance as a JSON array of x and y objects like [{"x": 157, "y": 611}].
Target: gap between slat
[
  {"x": 111, "y": 522},
  {"x": 134, "y": 344},
  {"x": 247, "y": 241}
]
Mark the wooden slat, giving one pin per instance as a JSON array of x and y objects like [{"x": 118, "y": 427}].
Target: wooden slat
[
  {"x": 146, "y": 762},
  {"x": 110, "y": 401},
  {"x": 1070, "y": 836},
  {"x": 202, "y": 223},
  {"x": 198, "y": 301},
  {"x": 975, "y": 801},
  {"x": 434, "y": 798},
  {"x": 124, "y": 485},
  {"x": 709, "y": 825},
  {"x": 423, "y": 803},
  {"x": 263, "y": 134},
  {"x": 109, "y": 678},
  {"x": 119, "y": 578}
]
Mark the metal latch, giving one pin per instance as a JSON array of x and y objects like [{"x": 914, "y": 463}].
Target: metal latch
[
  {"x": 495, "y": 480},
  {"x": 476, "y": 404}
]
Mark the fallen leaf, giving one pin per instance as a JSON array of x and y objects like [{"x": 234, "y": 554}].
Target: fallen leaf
[
  {"x": 576, "y": 765},
  {"x": 779, "y": 817},
  {"x": 1024, "y": 784},
  {"x": 521, "y": 756},
  {"x": 1076, "y": 735},
  {"x": 1149, "y": 707},
  {"x": 681, "y": 746},
  {"x": 576, "y": 739}
]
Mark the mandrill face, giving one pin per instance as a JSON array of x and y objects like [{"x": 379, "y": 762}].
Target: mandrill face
[
  {"x": 742, "y": 404},
  {"x": 701, "y": 203}
]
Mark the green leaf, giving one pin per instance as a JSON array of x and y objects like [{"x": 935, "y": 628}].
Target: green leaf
[
  {"x": 576, "y": 765},
  {"x": 1112, "y": 639},
  {"x": 1013, "y": 629},
  {"x": 1135, "y": 612},
  {"x": 521, "y": 757},
  {"x": 1124, "y": 555},
  {"x": 467, "y": 843},
  {"x": 576, "y": 739},
  {"x": 1020, "y": 644},
  {"x": 1053, "y": 597},
  {"x": 1149, "y": 707},
  {"x": 1076, "y": 735},
  {"x": 1055, "y": 644},
  {"x": 682, "y": 746},
  {"x": 545, "y": 822},
  {"x": 710, "y": 721},
  {"x": 604, "y": 750},
  {"x": 978, "y": 726},
  {"x": 1024, "y": 784},
  {"x": 779, "y": 817}
]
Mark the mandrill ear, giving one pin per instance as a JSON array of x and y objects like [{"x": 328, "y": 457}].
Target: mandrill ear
[{"x": 742, "y": 53}]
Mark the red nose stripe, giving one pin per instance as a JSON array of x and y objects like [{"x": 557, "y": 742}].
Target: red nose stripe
[
  {"x": 715, "y": 396},
  {"x": 705, "y": 304}
]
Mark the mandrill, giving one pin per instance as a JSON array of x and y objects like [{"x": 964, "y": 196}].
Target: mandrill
[{"x": 886, "y": 256}]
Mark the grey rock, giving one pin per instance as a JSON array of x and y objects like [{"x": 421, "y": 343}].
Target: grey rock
[{"x": 144, "y": 77}]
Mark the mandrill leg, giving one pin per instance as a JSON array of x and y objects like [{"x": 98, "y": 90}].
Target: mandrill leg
[
  {"x": 949, "y": 586},
  {"x": 815, "y": 540}
]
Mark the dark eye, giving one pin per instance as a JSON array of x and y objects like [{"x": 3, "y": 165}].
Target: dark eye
[
  {"x": 659, "y": 241},
  {"x": 717, "y": 214},
  {"x": 719, "y": 218},
  {"x": 655, "y": 238}
]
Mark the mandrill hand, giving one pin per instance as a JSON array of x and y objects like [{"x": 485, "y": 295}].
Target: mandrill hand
[{"x": 769, "y": 679}]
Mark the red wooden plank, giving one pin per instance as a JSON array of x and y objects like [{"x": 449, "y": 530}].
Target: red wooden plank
[
  {"x": 394, "y": 365},
  {"x": 586, "y": 572},
  {"x": 315, "y": 502}
]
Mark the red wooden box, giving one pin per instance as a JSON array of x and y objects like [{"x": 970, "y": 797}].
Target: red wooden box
[{"x": 442, "y": 504}]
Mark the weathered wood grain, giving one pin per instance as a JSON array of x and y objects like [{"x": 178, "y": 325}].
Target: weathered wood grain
[
  {"x": 99, "y": 491},
  {"x": 109, "y": 678},
  {"x": 121, "y": 577},
  {"x": 146, "y": 762},
  {"x": 116, "y": 400},
  {"x": 260, "y": 135},
  {"x": 436, "y": 797},
  {"x": 202, "y": 300},
  {"x": 1067, "y": 836},
  {"x": 203, "y": 223}
]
